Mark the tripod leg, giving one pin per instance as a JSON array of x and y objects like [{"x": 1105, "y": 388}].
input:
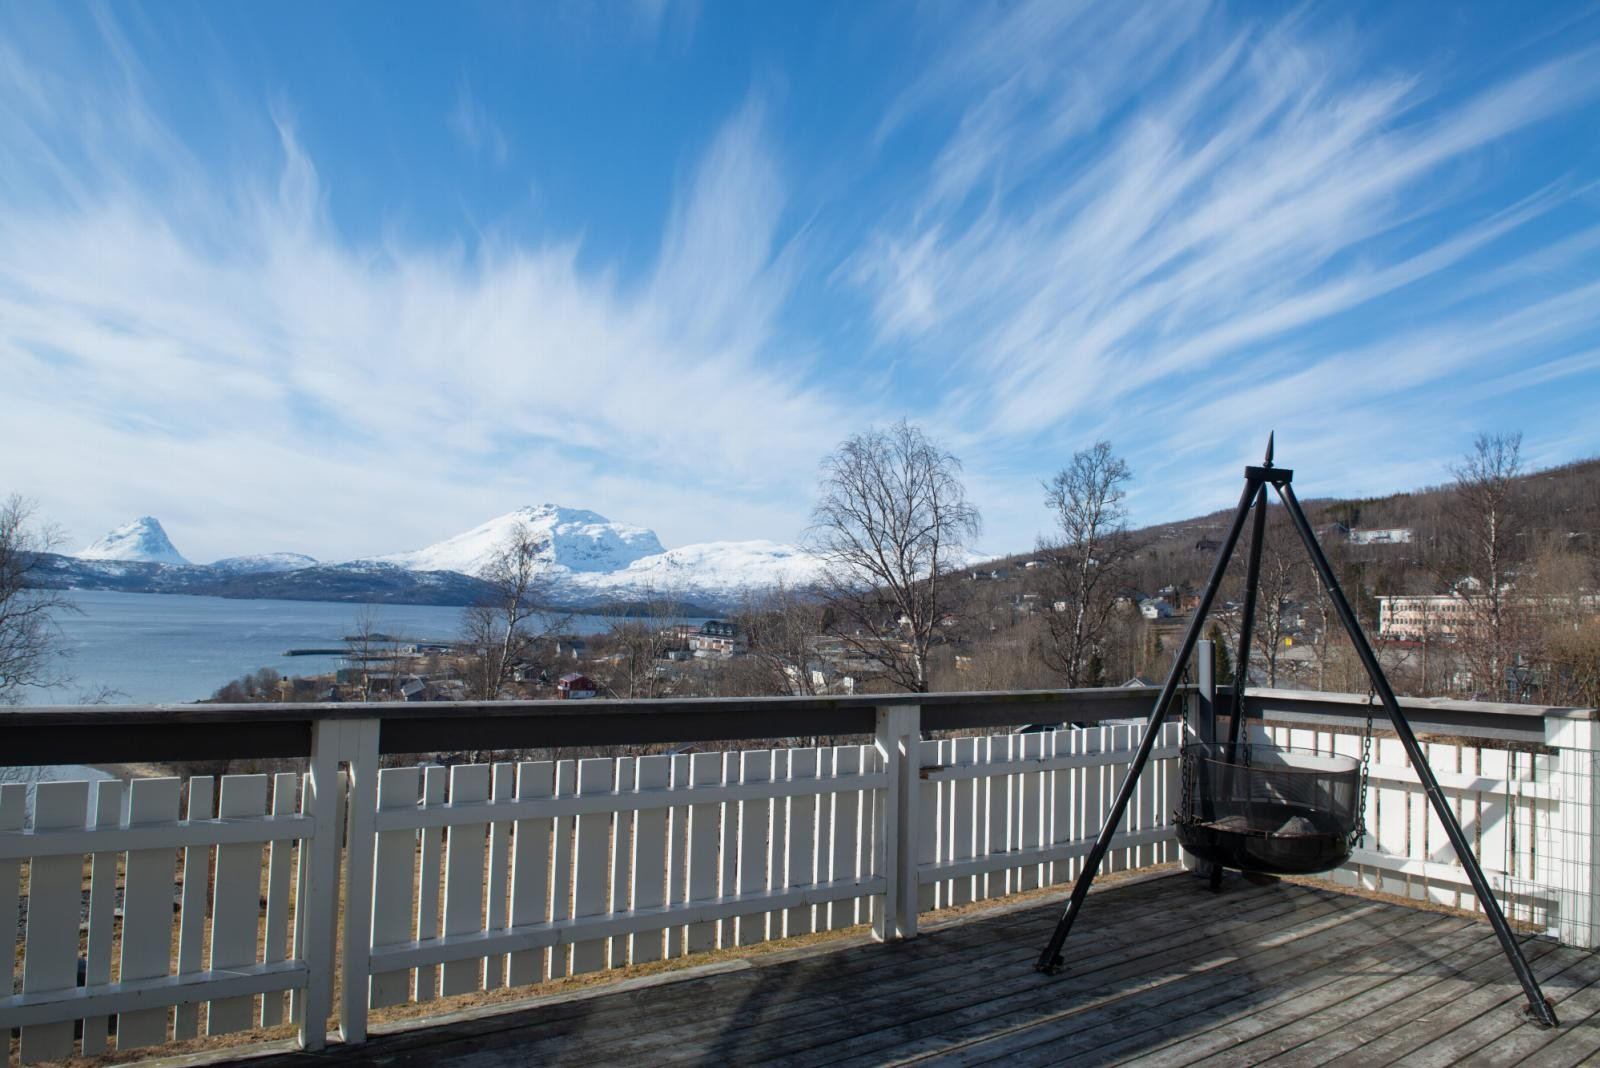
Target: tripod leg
[
  {"x": 1050, "y": 959},
  {"x": 1538, "y": 1007},
  {"x": 1247, "y": 617}
]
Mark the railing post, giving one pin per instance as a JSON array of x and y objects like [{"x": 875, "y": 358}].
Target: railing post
[
  {"x": 1575, "y": 857},
  {"x": 321, "y": 900},
  {"x": 1202, "y": 728},
  {"x": 360, "y": 749},
  {"x": 1205, "y": 694},
  {"x": 898, "y": 737}
]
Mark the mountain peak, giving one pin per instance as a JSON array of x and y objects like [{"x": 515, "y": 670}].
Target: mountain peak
[
  {"x": 142, "y": 540},
  {"x": 573, "y": 539}
]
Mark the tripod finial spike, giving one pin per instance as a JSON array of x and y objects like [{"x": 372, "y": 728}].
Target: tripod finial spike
[{"x": 1268, "y": 461}]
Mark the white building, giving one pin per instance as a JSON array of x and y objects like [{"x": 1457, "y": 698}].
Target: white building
[
  {"x": 1415, "y": 616},
  {"x": 1449, "y": 615},
  {"x": 1155, "y": 608},
  {"x": 1386, "y": 536}
]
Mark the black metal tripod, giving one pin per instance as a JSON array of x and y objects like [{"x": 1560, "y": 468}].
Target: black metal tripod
[{"x": 1257, "y": 479}]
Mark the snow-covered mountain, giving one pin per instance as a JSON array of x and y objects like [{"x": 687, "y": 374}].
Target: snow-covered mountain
[
  {"x": 264, "y": 563},
  {"x": 586, "y": 557},
  {"x": 571, "y": 539},
  {"x": 142, "y": 540}
]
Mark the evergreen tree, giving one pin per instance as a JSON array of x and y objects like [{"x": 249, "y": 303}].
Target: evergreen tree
[{"x": 1222, "y": 663}]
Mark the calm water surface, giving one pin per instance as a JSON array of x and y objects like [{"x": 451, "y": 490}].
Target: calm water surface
[{"x": 155, "y": 647}]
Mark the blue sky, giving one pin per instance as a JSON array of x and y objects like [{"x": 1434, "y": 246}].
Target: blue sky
[{"x": 347, "y": 279}]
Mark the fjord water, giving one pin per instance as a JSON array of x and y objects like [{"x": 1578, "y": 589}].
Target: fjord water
[{"x": 154, "y": 647}]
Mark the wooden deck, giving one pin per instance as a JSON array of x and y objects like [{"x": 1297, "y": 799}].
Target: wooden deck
[{"x": 1162, "y": 973}]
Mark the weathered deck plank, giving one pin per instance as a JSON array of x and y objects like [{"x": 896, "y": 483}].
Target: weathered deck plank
[
  {"x": 1021, "y": 1002},
  {"x": 1120, "y": 1025},
  {"x": 1467, "y": 1000},
  {"x": 1324, "y": 986},
  {"x": 1163, "y": 973},
  {"x": 1580, "y": 1018},
  {"x": 1469, "y": 945},
  {"x": 998, "y": 969}
]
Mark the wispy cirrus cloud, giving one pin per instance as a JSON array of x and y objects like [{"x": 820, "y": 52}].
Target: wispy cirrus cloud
[
  {"x": 1207, "y": 240},
  {"x": 259, "y": 364},
  {"x": 1049, "y": 222},
  {"x": 477, "y": 129}
]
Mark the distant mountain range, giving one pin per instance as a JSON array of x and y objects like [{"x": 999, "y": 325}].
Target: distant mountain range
[{"x": 584, "y": 558}]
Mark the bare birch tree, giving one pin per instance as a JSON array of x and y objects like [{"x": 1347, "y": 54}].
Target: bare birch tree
[
  {"x": 1285, "y": 568},
  {"x": 892, "y": 522},
  {"x": 1087, "y": 557},
  {"x": 31, "y": 655},
  {"x": 510, "y": 622},
  {"x": 638, "y": 635},
  {"x": 782, "y": 624},
  {"x": 364, "y": 647},
  {"x": 1484, "y": 520}
]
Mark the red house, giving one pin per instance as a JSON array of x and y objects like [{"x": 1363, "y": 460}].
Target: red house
[{"x": 575, "y": 687}]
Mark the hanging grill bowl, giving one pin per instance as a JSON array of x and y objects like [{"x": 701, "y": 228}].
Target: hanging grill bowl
[{"x": 1262, "y": 808}]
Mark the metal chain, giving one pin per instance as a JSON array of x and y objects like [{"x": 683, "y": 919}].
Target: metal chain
[{"x": 1366, "y": 769}]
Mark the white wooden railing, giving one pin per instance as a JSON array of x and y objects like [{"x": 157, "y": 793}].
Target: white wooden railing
[
  {"x": 1526, "y": 801},
  {"x": 480, "y": 876}
]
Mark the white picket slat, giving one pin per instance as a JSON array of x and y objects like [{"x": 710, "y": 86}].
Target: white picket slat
[
  {"x": 1031, "y": 825},
  {"x": 801, "y": 821},
  {"x": 777, "y": 837},
  {"x": 728, "y": 842},
  {"x": 434, "y": 781},
  {"x": 302, "y": 911},
  {"x": 530, "y": 871},
  {"x": 102, "y": 902},
  {"x": 394, "y": 877},
  {"x": 704, "y": 832},
  {"x": 930, "y": 820},
  {"x": 499, "y": 877},
  {"x": 1062, "y": 784},
  {"x": 50, "y": 953},
  {"x": 1116, "y": 859},
  {"x": 561, "y": 865},
  {"x": 622, "y": 856},
  {"x": 192, "y": 907},
  {"x": 649, "y": 863},
  {"x": 236, "y": 900},
  {"x": 147, "y": 910},
  {"x": 847, "y": 833},
  {"x": 591, "y": 854},
  {"x": 678, "y": 854},
  {"x": 463, "y": 877},
  {"x": 755, "y": 850},
  {"x": 280, "y": 861},
  {"x": 997, "y": 799},
  {"x": 964, "y": 753}
]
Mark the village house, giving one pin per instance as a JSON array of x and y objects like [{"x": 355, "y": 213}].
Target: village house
[
  {"x": 718, "y": 639},
  {"x": 575, "y": 687},
  {"x": 1155, "y": 608}
]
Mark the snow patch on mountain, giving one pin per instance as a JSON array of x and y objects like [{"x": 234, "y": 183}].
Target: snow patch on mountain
[
  {"x": 142, "y": 540},
  {"x": 264, "y": 563},
  {"x": 569, "y": 539},
  {"x": 585, "y": 557},
  {"x": 720, "y": 567}
]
